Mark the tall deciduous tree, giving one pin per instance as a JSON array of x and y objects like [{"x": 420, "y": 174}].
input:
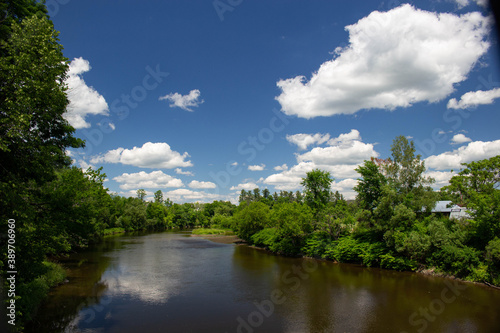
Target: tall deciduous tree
[
  {"x": 370, "y": 185},
  {"x": 405, "y": 170},
  {"x": 33, "y": 132},
  {"x": 317, "y": 189}
]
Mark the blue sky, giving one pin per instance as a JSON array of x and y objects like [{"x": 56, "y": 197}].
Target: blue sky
[{"x": 201, "y": 99}]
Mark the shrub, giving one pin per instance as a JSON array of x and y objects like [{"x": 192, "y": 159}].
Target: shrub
[{"x": 264, "y": 238}]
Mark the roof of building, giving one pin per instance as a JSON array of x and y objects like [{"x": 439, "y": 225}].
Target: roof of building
[{"x": 446, "y": 207}]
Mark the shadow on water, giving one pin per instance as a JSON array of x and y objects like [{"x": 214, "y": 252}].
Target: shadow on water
[{"x": 170, "y": 282}]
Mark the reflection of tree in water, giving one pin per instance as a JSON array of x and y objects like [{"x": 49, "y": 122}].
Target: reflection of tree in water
[
  {"x": 84, "y": 289},
  {"x": 349, "y": 298}
]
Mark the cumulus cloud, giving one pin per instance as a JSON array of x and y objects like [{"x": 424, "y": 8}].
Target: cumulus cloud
[
  {"x": 179, "y": 171},
  {"x": 356, "y": 152},
  {"x": 152, "y": 180},
  {"x": 185, "y": 102},
  {"x": 83, "y": 100},
  {"x": 282, "y": 167},
  {"x": 304, "y": 140},
  {"x": 340, "y": 158},
  {"x": 474, "y": 151},
  {"x": 394, "y": 59},
  {"x": 345, "y": 187},
  {"x": 474, "y": 98},
  {"x": 150, "y": 155},
  {"x": 185, "y": 195},
  {"x": 459, "y": 139},
  {"x": 245, "y": 186},
  {"x": 463, "y": 3},
  {"x": 199, "y": 184},
  {"x": 442, "y": 178},
  {"x": 257, "y": 167}
]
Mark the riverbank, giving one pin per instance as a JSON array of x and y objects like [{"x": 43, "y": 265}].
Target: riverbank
[{"x": 222, "y": 239}]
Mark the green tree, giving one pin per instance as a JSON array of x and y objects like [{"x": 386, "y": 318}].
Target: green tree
[
  {"x": 370, "y": 185},
  {"x": 317, "y": 189},
  {"x": 33, "y": 132},
  {"x": 33, "y": 139},
  {"x": 251, "y": 219},
  {"x": 477, "y": 188},
  {"x": 293, "y": 222},
  {"x": 405, "y": 170},
  {"x": 13, "y": 11},
  {"x": 159, "y": 197},
  {"x": 141, "y": 194}
]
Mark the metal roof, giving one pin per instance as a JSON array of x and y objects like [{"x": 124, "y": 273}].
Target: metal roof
[{"x": 441, "y": 207}]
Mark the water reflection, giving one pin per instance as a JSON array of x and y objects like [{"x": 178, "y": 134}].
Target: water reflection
[{"x": 167, "y": 282}]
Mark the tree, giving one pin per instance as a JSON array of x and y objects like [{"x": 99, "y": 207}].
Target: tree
[
  {"x": 33, "y": 139},
  {"x": 477, "y": 188},
  {"x": 33, "y": 132},
  {"x": 317, "y": 189},
  {"x": 159, "y": 197},
  {"x": 370, "y": 185},
  {"x": 141, "y": 194},
  {"x": 251, "y": 219},
  {"x": 405, "y": 169},
  {"x": 13, "y": 11}
]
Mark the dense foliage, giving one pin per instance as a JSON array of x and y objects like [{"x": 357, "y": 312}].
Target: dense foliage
[{"x": 390, "y": 224}]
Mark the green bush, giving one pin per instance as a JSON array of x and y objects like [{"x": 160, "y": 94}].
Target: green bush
[
  {"x": 457, "y": 260},
  {"x": 265, "y": 237},
  {"x": 315, "y": 244},
  {"x": 388, "y": 261},
  {"x": 372, "y": 253},
  {"x": 346, "y": 249},
  {"x": 251, "y": 219}
]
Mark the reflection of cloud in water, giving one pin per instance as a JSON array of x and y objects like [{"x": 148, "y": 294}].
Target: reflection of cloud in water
[{"x": 149, "y": 271}]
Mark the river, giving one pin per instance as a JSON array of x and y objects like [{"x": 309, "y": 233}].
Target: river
[{"x": 171, "y": 282}]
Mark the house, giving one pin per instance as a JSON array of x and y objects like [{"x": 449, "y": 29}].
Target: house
[{"x": 446, "y": 208}]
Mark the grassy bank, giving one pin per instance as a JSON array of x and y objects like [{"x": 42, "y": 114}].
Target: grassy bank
[
  {"x": 113, "y": 231},
  {"x": 213, "y": 231}
]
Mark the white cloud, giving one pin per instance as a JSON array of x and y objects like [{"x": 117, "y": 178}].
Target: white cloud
[
  {"x": 282, "y": 167},
  {"x": 345, "y": 139},
  {"x": 199, "y": 184},
  {"x": 245, "y": 186},
  {"x": 84, "y": 165},
  {"x": 180, "y": 172},
  {"x": 256, "y": 167},
  {"x": 394, "y": 59},
  {"x": 304, "y": 140},
  {"x": 474, "y": 151},
  {"x": 459, "y": 139},
  {"x": 354, "y": 153},
  {"x": 152, "y": 180},
  {"x": 133, "y": 193},
  {"x": 185, "y": 195},
  {"x": 463, "y": 3},
  {"x": 185, "y": 102},
  {"x": 234, "y": 164},
  {"x": 441, "y": 177},
  {"x": 83, "y": 100},
  {"x": 341, "y": 159},
  {"x": 150, "y": 155},
  {"x": 474, "y": 98},
  {"x": 345, "y": 187}
]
